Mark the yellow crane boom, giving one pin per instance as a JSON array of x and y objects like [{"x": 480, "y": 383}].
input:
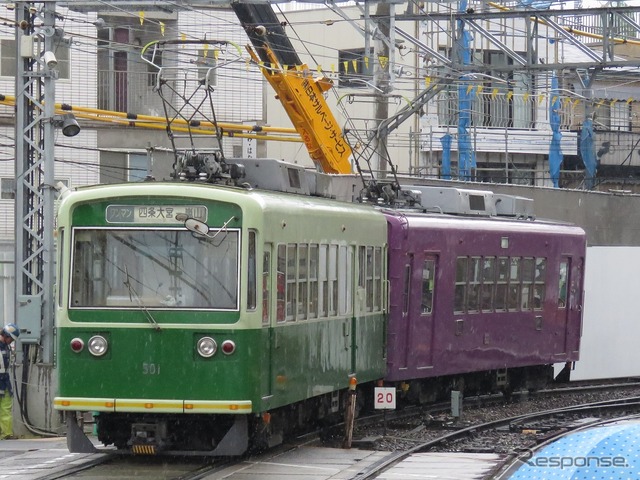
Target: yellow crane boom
[{"x": 302, "y": 97}]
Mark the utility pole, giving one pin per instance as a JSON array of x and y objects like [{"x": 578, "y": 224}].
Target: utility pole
[{"x": 34, "y": 169}]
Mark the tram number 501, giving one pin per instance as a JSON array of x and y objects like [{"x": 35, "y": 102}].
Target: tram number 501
[
  {"x": 385, "y": 398},
  {"x": 150, "y": 368}
]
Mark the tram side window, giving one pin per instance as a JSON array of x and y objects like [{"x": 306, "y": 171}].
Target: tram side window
[
  {"x": 501, "y": 283},
  {"x": 428, "y": 282},
  {"x": 323, "y": 280},
  {"x": 488, "y": 284},
  {"x": 514, "y": 284},
  {"x": 313, "y": 281},
  {"x": 473, "y": 291},
  {"x": 281, "y": 283},
  {"x": 266, "y": 285},
  {"x": 332, "y": 274},
  {"x": 369, "y": 278},
  {"x": 460, "y": 292},
  {"x": 539, "y": 279},
  {"x": 291, "y": 281},
  {"x": 407, "y": 287},
  {"x": 302, "y": 281},
  {"x": 345, "y": 279},
  {"x": 526, "y": 302},
  {"x": 60, "y": 282},
  {"x": 377, "y": 279},
  {"x": 251, "y": 273},
  {"x": 562, "y": 284}
]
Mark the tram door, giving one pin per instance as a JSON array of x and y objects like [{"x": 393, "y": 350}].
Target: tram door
[
  {"x": 266, "y": 382},
  {"x": 569, "y": 313},
  {"x": 420, "y": 309}
]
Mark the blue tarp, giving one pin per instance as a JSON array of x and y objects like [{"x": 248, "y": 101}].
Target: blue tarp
[
  {"x": 446, "y": 156},
  {"x": 555, "y": 151},
  {"x": 466, "y": 155},
  {"x": 588, "y": 152}
]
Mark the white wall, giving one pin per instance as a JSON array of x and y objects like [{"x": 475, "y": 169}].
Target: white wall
[{"x": 611, "y": 323}]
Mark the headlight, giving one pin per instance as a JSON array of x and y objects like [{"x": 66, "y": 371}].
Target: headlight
[
  {"x": 97, "y": 345},
  {"x": 207, "y": 347}
]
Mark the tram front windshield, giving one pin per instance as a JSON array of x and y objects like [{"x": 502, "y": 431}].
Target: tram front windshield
[{"x": 160, "y": 269}]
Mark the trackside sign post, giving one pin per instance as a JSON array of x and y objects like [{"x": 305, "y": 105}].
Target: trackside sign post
[{"x": 385, "y": 399}]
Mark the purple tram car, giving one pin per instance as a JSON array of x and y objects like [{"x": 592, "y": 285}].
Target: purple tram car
[{"x": 471, "y": 294}]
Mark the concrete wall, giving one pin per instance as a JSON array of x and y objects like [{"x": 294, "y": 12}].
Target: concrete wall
[{"x": 609, "y": 345}]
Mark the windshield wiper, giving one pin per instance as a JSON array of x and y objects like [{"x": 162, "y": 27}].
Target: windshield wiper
[{"x": 143, "y": 308}]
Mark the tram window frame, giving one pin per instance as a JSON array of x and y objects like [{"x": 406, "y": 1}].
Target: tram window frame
[
  {"x": 252, "y": 279},
  {"x": 60, "y": 283},
  {"x": 407, "y": 286},
  {"x": 266, "y": 284},
  {"x": 281, "y": 280},
  {"x": 369, "y": 279},
  {"x": 460, "y": 288},
  {"x": 313, "y": 280},
  {"x": 292, "y": 282},
  {"x": 302, "y": 283},
  {"x": 563, "y": 276},
  {"x": 345, "y": 279},
  {"x": 428, "y": 285},
  {"x": 332, "y": 276},
  {"x": 377, "y": 279},
  {"x": 526, "y": 293},
  {"x": 515, "y": 280},
  {"x": 488, "y": 289},
  {"x": 539, "y": 283},
  {"x": 474, "y": 284},
  {"x": 323, "y": 280},
  {"x": 502, "y": 284}
]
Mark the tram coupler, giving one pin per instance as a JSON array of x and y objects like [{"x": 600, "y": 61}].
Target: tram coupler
[{"x": 148, "y": 438}]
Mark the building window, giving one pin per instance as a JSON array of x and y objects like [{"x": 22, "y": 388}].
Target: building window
[
  {"x": 7, "y": 189},
  {"x": 8, "y": 58},
  {"x": 137, "y": 169},
  {"x": 355, "y": 68}
]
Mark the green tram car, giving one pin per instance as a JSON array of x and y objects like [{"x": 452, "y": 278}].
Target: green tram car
[{"x": 205, "y": 319}]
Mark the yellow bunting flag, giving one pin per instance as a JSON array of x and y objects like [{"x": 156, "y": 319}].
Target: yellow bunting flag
[
  {"x": 427, "y": 81},
  {"x": 469, "y": 88},
  {"x": 383, "y": 61},
  {"x": 494, "y": 93},
  {"x": 162, "y": 28},
  {"x": 525, "y": 97},
  {"x": 509, "y": 95},
  {"x": 216, "y": 54},
  {"x": 366, "y": 62},
  {"x": 346, "y": 66},
  {"x": 355, "y": 65},
  {"x": 141, "y": 15},
  {"x": 205, "y": 52}
]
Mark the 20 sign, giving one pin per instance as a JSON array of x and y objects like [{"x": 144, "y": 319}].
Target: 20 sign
[{"x": 385, "y": 398}]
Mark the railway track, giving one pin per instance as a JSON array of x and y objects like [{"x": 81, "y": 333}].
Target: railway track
[
  {"x": 409, "y": 431},
  {"x": 535, "y": 429}
]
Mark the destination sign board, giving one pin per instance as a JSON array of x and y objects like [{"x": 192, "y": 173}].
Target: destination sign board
[{"x": 154, "y": 213}]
